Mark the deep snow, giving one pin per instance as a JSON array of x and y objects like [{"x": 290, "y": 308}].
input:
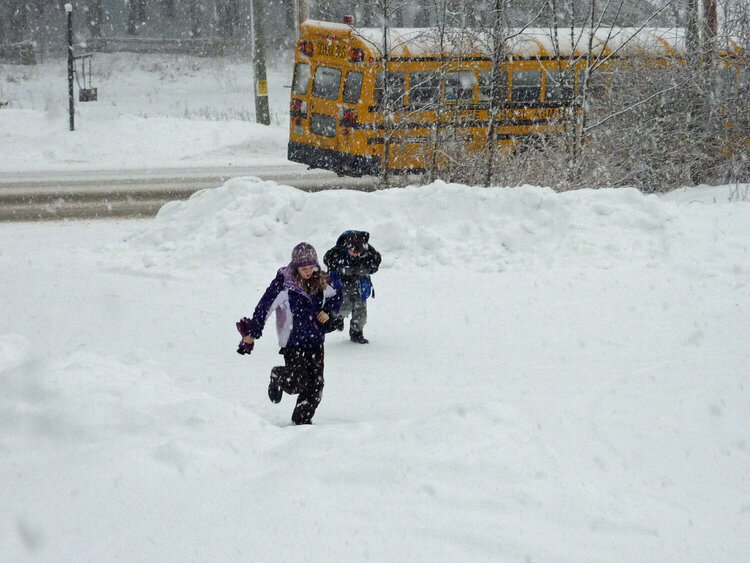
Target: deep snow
[
  {"x": 153, "y": 112},
  {"x": 551, "y": 377}
]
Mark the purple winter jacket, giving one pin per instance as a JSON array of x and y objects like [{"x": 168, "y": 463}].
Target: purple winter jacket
[{"x": 296, "y": 311}]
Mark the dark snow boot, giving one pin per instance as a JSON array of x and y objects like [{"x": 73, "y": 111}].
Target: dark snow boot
[
  {"x": 274, "y": 389},
  {"x": 358, "y": 337}
]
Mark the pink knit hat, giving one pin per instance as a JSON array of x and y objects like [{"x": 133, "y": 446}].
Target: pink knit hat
[{"x": 304, "y": 255}]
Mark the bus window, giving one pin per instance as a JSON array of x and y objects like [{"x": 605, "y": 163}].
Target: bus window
[
  {"x": 597, "y": 83},
  {"x": 326, "y": 83},
  {"x": 301, "y": 78},
  {"x": 485, "y": 84},
  {"x": 559, "y": 85},
  {"x": 527, "y": 86},
  {"x": 459, "y": 86},
  {"x": 424, "y": 88},
  {"x": 324, "y": 125},
  {"x": 352, "y": 87},
  {"x": 395, "y": 89}
]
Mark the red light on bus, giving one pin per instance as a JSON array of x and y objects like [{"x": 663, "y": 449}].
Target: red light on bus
[
  {"x": 298, "y": 107},
  {"x": 350, "y": 116},
  {"x": 349, "y": 20},
  {"x": 306, "y": 48},
  {"x": 356, "y": 55}
]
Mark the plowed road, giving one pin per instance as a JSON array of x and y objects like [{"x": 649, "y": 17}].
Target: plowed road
[{"x": 28, "y": 196}]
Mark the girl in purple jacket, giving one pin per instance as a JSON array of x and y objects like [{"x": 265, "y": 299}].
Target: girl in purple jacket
[{"x": 303, "y": 301}]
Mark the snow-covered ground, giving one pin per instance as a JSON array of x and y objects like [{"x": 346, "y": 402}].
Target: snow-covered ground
[
  {"x": 551, "y": 377},
  {"x": 153, "y": 112}
]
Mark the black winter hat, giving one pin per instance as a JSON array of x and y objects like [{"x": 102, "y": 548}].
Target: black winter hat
[{"x": 356, "y": 242}]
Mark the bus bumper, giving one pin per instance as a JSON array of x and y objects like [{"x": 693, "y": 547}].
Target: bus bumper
[{"x": 341, "y": 163}]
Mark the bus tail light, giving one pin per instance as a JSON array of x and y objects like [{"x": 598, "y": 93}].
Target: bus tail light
[
  {"x": 306, "y": 48},
  {"x": 298, "y": 108},
  {"x": 348, "y": 117},
  {"x": 356, "y": 55}
]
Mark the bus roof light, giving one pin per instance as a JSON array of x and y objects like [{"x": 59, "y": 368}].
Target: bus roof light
[
  {"x": 349, "y": 20},
  {"x": 356, "y": 55}
]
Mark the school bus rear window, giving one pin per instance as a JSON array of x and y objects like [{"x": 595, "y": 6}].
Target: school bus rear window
[
  {"x": 327, "y": 83},
  {"x": 324, "y": 125},
  {"x": 301, "y": 78},
  {"x": 352, "y": 87}
]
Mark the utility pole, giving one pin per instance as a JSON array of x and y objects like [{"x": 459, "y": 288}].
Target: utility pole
[
  {"x": 301, "y": 13},
  {"x": 71, "y": 70},
  {"x": 262, "y": 114}
]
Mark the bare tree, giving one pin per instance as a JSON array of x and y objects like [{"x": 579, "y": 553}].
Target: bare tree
[
  {"x": 447, "y": 36},
  {"x": 391, "y": 86},
  {"x": 668, "y": 119},
  {"x": 498, "y": 37},
  {"x": 95, "y": 17},
  {"x": 228, "y": 17},
  {"x": 136, "y": 15}
]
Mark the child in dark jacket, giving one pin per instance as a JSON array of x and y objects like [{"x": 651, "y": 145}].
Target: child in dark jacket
[
  {"x": 304, "y": 301},
  {"x": 352, "y": 261}
]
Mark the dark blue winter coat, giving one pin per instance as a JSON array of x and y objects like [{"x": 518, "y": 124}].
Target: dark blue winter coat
[
  {"x": 353, "y": 271},
  {"x": 296, "y": 311}
]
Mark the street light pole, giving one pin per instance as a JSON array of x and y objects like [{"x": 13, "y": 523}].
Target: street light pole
[{"x": 71, "y": 104}]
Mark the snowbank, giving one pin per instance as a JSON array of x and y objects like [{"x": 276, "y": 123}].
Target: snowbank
[{"x": 248, "y": 220}]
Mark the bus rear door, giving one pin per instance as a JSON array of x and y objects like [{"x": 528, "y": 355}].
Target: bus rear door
[{"x": 324, "y": 105}]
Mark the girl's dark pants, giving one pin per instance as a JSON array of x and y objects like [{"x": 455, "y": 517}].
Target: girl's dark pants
[{"x": 302, "y": 376}]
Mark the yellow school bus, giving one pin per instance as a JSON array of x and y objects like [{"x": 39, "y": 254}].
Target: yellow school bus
[{"x": 344, "y": 109}]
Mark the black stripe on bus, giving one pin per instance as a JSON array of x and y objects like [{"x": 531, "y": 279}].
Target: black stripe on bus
[
  {"x": 444, "y": 59},
  {"x": 453, "y": 124},
  {"x": 437, "y": 58},
  {"x": 411, "y": 140},
  {"x": 480, "y": 106}
]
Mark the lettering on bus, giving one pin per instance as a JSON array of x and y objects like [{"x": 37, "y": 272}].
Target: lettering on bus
[
  {"x": 511, "y": 114},
  {"x": 461, "y": 116},
  {"x": 332, "y": 49}
]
